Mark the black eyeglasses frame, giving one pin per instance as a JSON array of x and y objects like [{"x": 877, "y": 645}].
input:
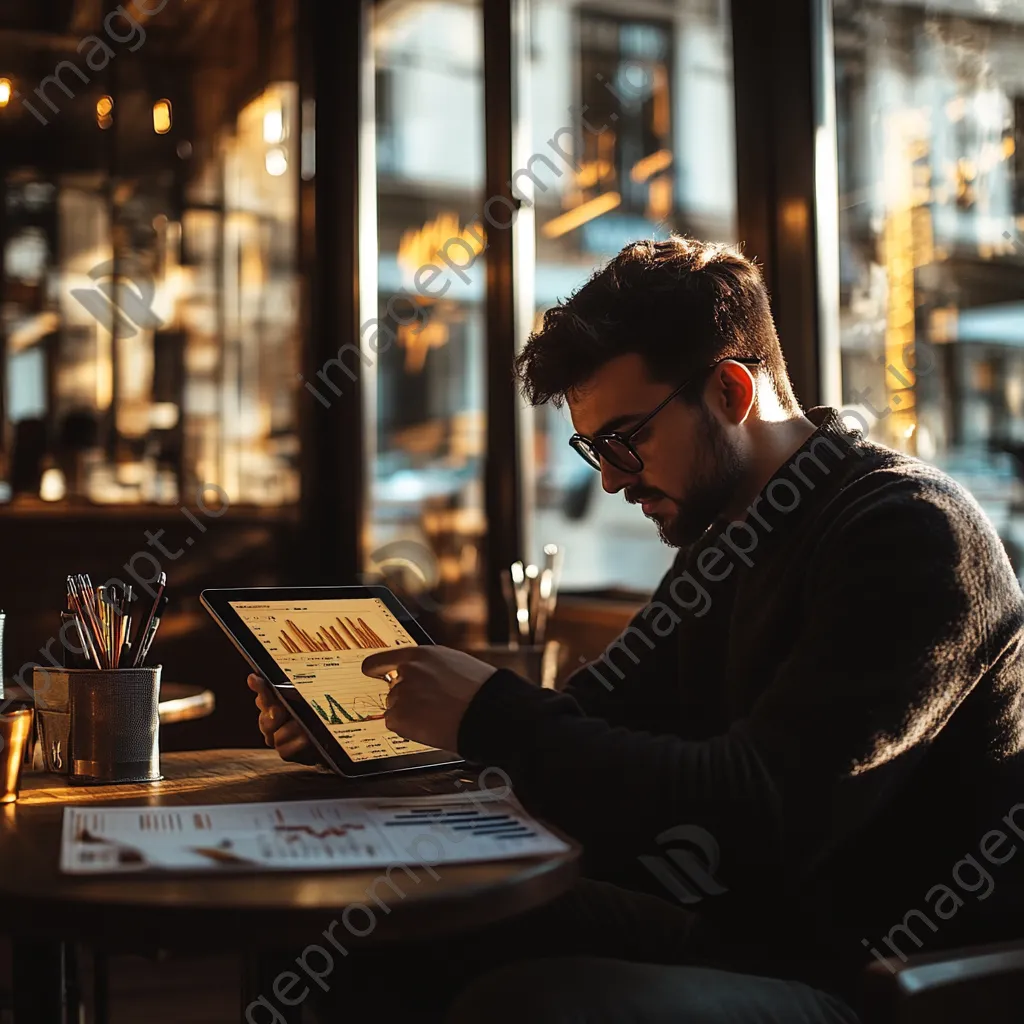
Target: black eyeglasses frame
[{"x": 588, "y": 448}]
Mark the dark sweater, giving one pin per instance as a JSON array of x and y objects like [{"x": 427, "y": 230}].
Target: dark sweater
[{"x": 834, "y": 690}]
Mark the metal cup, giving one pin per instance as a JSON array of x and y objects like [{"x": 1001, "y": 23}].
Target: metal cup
[
  {"x": 100, "y": 725},
  {"x": 15, "y": 729}
]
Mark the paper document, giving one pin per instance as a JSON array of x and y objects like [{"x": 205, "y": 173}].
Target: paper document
[{"x": 325, "y": 835}]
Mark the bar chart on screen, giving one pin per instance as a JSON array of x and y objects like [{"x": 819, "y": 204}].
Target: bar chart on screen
[
  {"x": 302, "y": 630},
  {"x": 321, "y": 646}
]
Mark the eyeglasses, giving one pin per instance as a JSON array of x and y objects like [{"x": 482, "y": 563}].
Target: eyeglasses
[{"x": 617, "y": 449}]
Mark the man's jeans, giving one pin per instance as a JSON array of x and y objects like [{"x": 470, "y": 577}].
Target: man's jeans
[{"x": 597, "y": 955}]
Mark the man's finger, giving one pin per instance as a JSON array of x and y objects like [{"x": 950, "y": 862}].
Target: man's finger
[
  {"x": 289, "y": 732},
  {"x": 379, "y": 665},
  {"x": 293, "y": 748}
]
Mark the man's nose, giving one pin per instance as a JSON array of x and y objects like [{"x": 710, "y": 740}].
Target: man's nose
[{"x": 614, "y": 480}]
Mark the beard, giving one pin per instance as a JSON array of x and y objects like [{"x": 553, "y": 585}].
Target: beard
[{"x": 716, "y": 475}]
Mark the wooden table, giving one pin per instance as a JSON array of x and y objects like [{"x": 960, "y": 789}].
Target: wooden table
[{"x": 44, "y": 910}]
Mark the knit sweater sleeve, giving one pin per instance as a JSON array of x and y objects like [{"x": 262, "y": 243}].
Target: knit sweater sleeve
[{"x": 909, "y": 599}]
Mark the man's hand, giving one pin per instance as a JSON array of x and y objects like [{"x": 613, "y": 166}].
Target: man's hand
[
  {"x": 279, "y": 729},
  {"x": 433, "y": 688}
]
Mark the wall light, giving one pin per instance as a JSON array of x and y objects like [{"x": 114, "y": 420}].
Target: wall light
[
  {"x": 162, "y": 117},
  {"x": 273, "y": 125},
  {"x": 104, "y": 108},
  {"x": 5, "y": 91},
  {"x": 277, "y": 162},
  {"x": 53, "y": 486}
]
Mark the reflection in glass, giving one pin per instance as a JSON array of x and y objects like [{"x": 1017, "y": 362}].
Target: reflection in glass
[
  {"x": 632, "y": 110},
  {"x": 930, "y": 103},
  {"x": 149, "y": 297},
  {"x": 426, "y": 406}
]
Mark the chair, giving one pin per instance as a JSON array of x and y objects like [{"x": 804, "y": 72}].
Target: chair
[{"x": 956, "y": 986}]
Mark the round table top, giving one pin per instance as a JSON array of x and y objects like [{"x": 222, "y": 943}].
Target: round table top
[
  {"x": 183, "y": 702},
  {"x": 179, "y": 702},
  {"x": 250, "y": 910}
]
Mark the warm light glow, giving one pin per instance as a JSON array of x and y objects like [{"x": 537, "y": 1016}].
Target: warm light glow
[
  {"x": 104, "y": 112},
  {"x": 422, "y": 247},
  {"x": 276, "y": 162},
  {"x": 573, "y": 219},
  {"x": 273, "y": 125},
  {"x": 659, "y": 199},
  {"x": 162, "y": 117},
  {"x": 905, "y": 241},
  {"x": 794, "y": 216},
  {"x": 163, "y": 415},
  {"x": 593, "y": 172},
  {"x": 52, "y": 486},
  {"x": 418, "y": 340},
  {"x": 649, "y": 165},
  {"x": 5, "y": 91}
]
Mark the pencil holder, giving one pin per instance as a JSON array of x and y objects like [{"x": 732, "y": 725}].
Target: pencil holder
[{"x": 99, "y": 726}]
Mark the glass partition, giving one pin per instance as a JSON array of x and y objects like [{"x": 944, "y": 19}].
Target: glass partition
[{"x": 930, "y": 112}]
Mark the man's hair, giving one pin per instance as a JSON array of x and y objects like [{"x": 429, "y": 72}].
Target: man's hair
[{"x": 681, "y": 304}]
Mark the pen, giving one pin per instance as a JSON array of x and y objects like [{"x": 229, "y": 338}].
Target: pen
[
  {"x": 154, "y": 625},
  {"x": 147, "y": 627}
]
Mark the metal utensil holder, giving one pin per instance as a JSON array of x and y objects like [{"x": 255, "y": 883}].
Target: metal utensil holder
[{"x": 99, "y": 726}]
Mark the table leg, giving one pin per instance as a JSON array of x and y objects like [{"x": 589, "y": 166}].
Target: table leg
[
  {"x": 45, "y": 981},
  {"x": 100, "y": 987},
  {"x": 259, "y": 1001}
]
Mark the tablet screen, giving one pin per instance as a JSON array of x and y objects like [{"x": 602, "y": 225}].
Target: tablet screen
[{"x": 320, "y": 645}]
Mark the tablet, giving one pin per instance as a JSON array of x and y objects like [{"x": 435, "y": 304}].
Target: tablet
[{"x": 309, "y": 644}]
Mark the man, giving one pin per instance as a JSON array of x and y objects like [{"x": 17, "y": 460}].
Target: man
[{"x": 823, "y": 699}]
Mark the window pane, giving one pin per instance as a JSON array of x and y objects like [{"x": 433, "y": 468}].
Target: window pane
[
  {"x": 425, "y": 407},
  {"x": 149, "y": 291},
  {"x": 930, "y": 104},
  {"x": 632, "y": 104}
]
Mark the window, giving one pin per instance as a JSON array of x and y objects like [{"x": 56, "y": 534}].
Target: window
[
  {"x": 149, "y": 286},
  {"x": 931, "y": 250},
  {"x": 425, "y": 402},
  {"x": 633, "y": 106}
]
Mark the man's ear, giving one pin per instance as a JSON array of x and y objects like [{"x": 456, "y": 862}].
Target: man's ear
[{"x": 735, "y": 389}]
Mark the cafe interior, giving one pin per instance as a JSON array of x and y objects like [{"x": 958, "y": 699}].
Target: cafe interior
[{"x": 211, "y": 214}]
